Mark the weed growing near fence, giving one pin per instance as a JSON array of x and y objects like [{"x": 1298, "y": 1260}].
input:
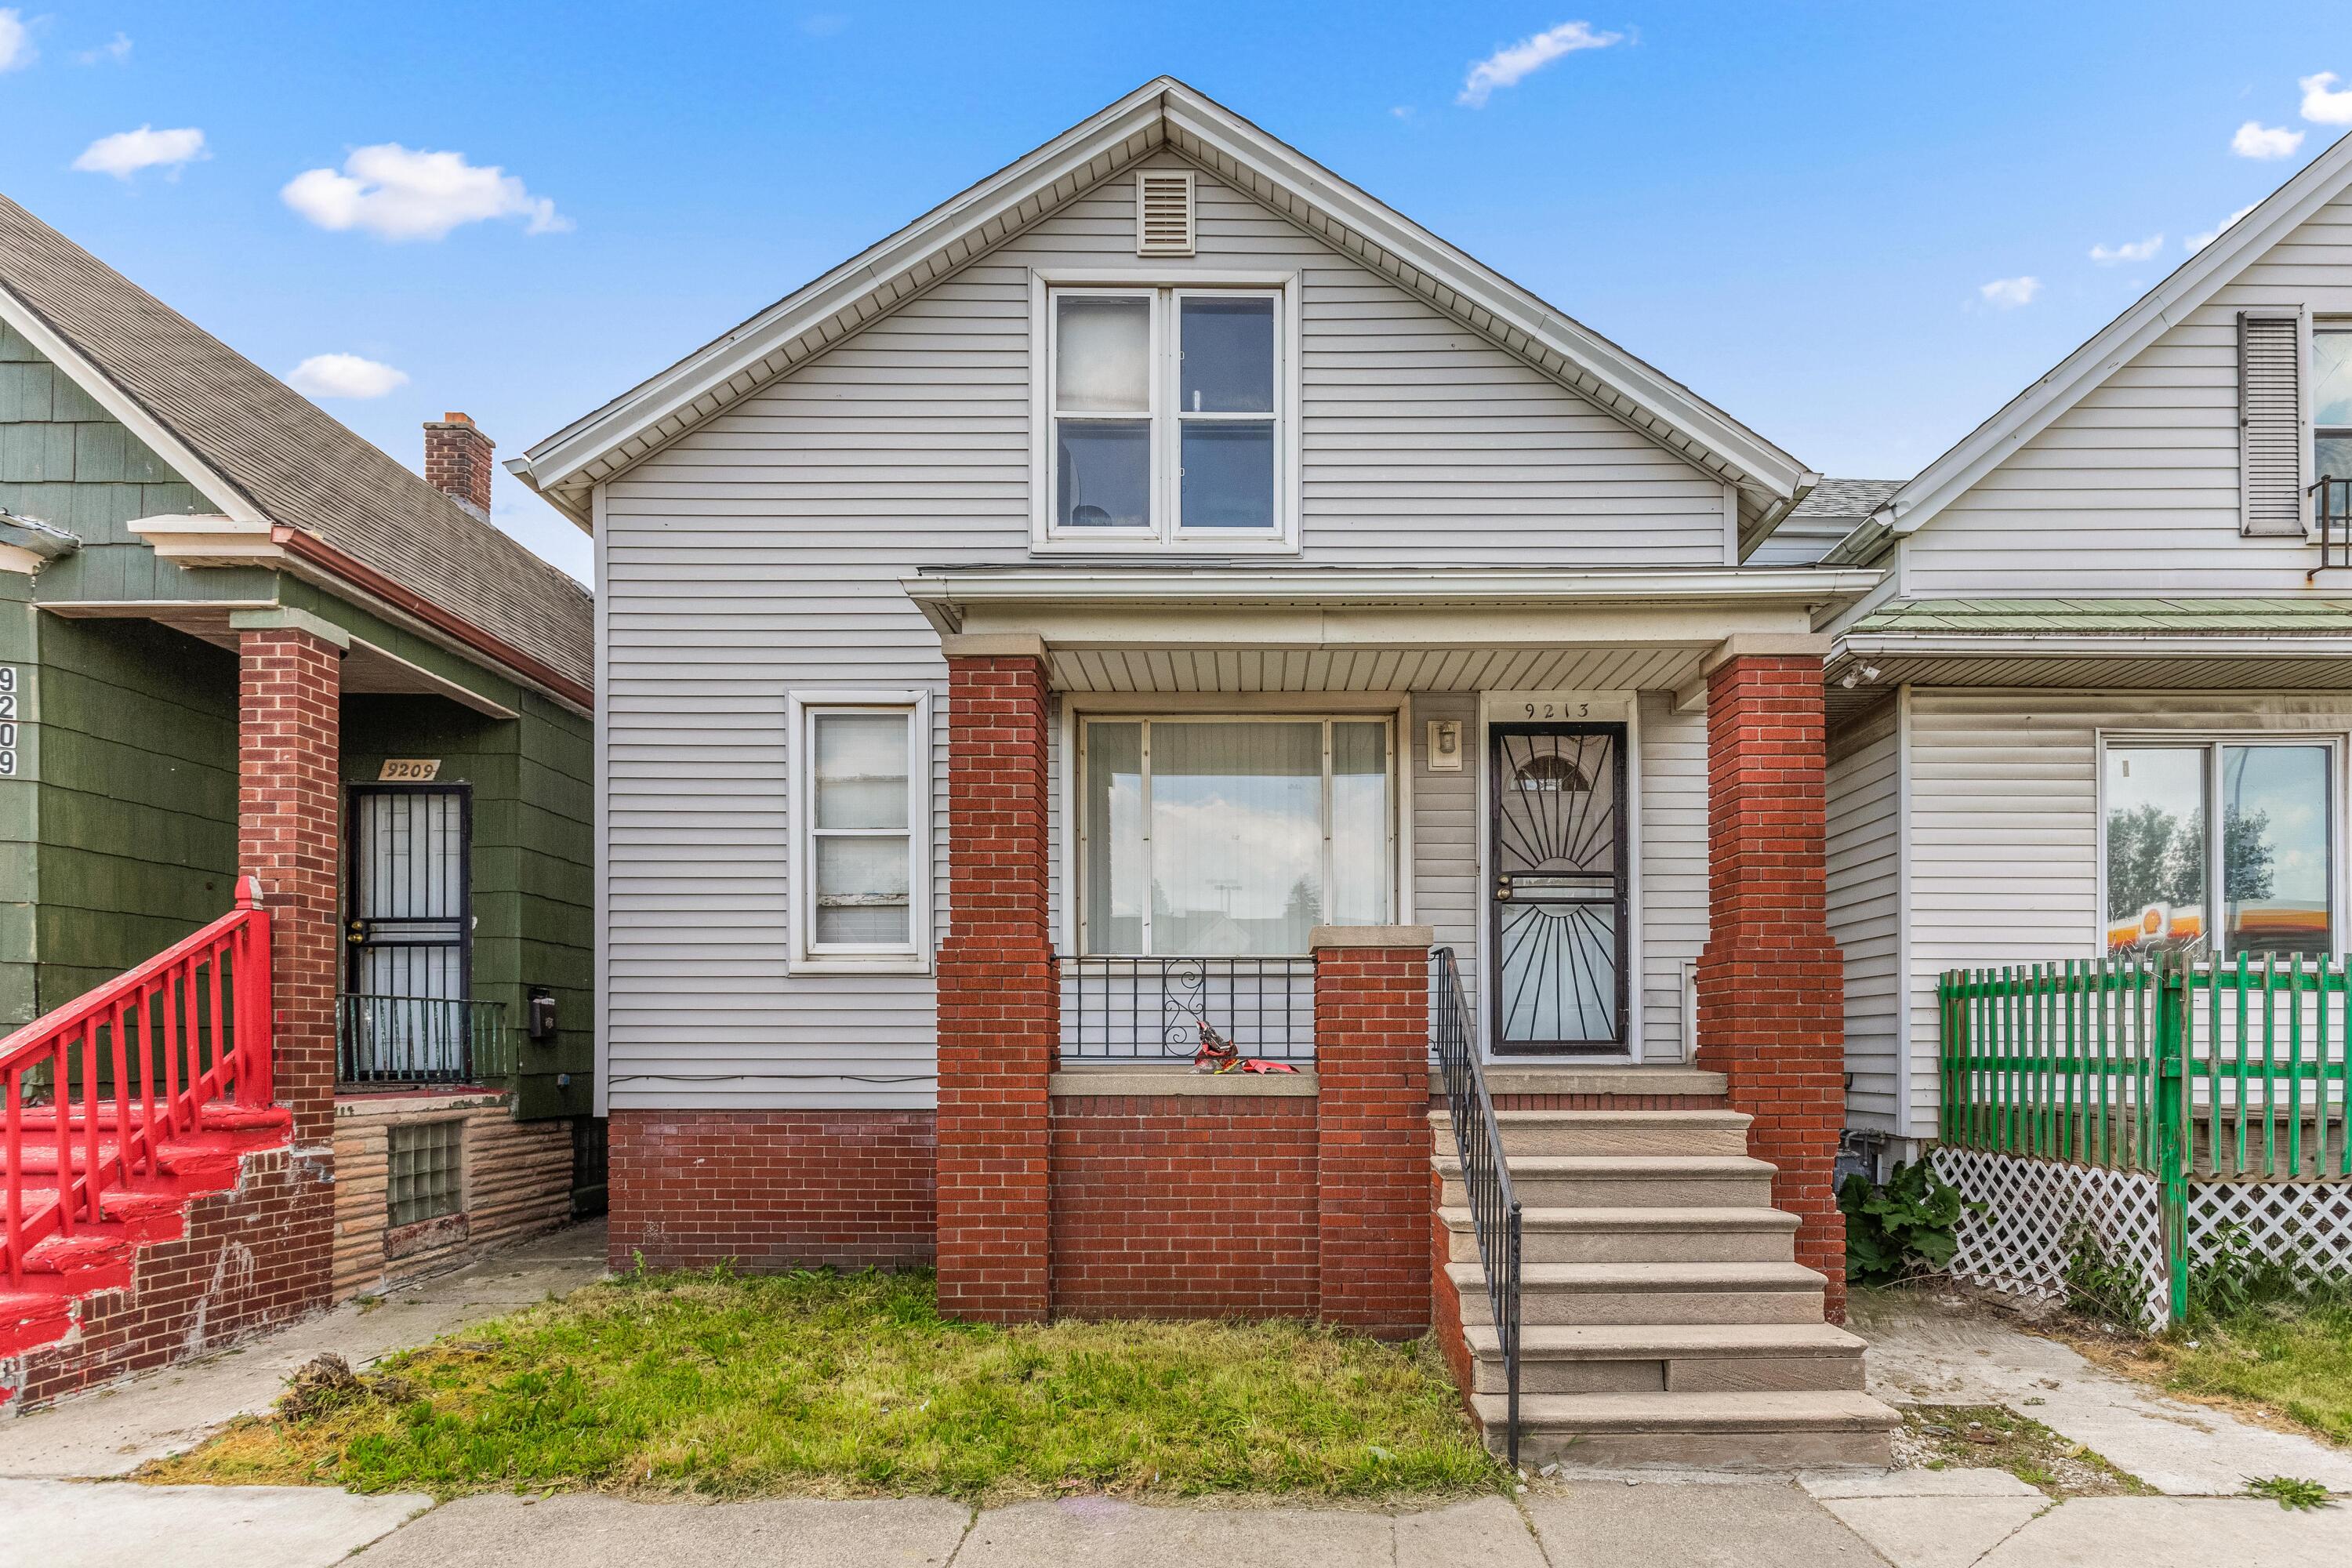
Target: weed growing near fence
[{"x": 1902, "y": 1229}]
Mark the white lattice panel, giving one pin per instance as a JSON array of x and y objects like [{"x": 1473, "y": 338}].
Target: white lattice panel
[
  {"x": 2306, "y": 1224},
  {"x": 2036, "y": 1209}
]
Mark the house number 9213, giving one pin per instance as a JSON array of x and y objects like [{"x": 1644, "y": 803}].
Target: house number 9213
[{"x": 1558, "y": 710}]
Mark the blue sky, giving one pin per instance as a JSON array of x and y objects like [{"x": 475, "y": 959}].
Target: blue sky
[{"x": 1820, "y": 216}]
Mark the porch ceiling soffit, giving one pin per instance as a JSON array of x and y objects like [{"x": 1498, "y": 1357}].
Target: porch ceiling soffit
[
  {"x": 1335, "y": 609},
  {"x": 1865, "y": 668},
  {"x": 366, "y": 669},
  {"x": 1162, "y": 113}
]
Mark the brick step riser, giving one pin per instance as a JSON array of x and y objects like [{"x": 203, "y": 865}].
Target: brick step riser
[
  {"x": 1640, "y": 1246},
  {"x": 1676, "y": 1374},
  {"x": 1592, "y": 1192},
  {"x": 1631, "y": 1309},
  {"x": 1541, "y": 1445}
]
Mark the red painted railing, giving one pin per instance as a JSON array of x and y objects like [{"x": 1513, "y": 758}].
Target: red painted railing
[{"x": 108, "y": 1079}]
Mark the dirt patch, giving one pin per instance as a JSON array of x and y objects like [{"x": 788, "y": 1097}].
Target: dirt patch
[{"x": 1986, "y": 1436}]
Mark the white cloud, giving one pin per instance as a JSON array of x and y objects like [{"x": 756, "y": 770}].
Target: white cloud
[
  {"x": 2008, "y": 293},
  {"x": 1508, "y": 65},
  {"x": 2197, "y": 242},
  {"x": 126, "y": 152},
  {"x": 396, "y": 193},
  {"x": 2137, "y": 250},
  {"x": 114, "y": 51},
  {"x": 1402, "y": 112},
  {"x": 2321, "y": 107},
  {"x": 15, "y": 40},
  {"x": 344, "y": 375},
  {"x": 2255, "y": 140}
]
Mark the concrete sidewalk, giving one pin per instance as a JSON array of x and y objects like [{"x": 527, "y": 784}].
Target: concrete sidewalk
[{"x": 1917, "y": 1519}]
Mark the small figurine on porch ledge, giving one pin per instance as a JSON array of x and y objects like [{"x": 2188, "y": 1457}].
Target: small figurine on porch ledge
[{"x": 1220, "y": 1054}]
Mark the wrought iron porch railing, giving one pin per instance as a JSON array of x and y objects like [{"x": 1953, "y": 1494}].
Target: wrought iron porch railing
[
  {"x": 1152, "y": 1009},
  {"x": 1485, "y": 1173},
  {"x": 2331, "y": 520},
  {"x": 385, "y": 1041}
]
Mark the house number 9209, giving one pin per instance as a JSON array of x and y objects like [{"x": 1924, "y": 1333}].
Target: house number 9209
[
  {"x": 8, "y": 721},
  {"x": 1558, "y": 710}
]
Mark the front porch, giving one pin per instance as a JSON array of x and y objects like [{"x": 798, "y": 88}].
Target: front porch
[{"x": 1258, "y": 802}]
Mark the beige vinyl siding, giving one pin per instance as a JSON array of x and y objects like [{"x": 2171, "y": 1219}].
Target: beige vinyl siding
[
  {"x": 2005, "y": 824},
  {"x": 1866, "y": 903},
  {"x": 2136, "y": 488}
]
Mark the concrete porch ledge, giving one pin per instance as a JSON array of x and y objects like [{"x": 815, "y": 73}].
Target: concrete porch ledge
[{"x": 1144, "y": 1079}]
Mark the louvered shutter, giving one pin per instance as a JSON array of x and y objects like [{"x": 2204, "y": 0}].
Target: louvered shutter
[
  {"x": 2271, "y": 434},
  {"x": 1163, "y": 212}
]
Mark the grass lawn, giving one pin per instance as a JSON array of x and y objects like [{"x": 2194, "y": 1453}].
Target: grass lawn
[
  {"x": 831, "y": 1384},
  {"x": 2282, "y": 1359}
]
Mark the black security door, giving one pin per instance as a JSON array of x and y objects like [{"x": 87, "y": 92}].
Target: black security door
[{"x": 1557, "y": 901}]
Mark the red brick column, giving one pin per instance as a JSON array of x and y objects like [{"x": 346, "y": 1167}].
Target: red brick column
[
  {"x": 1771, "y": 984},
  {"x": 290, "y": 834},
  {"x": 1371, "y": 1068},
  {"x": 999, "y": 1006}
]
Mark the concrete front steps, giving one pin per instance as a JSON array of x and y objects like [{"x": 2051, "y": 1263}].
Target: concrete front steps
[{"x": 1664, "y": 1317}]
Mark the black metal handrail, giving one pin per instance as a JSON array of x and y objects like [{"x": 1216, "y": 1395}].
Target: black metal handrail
[
  {"x": 2331, "y": 519},
  {"x": 420, "y": 1039},
  {"x": 1485, "y": 1174},
  {"x": 1152, "y": 1008}
]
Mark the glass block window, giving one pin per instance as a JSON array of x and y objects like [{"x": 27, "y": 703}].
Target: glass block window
[{"x": 427, "y": 1171}]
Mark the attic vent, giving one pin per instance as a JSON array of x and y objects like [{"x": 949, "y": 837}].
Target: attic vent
[
  {"x": 1163, "y": 213},
  {"x": 2270, "y": 423}
]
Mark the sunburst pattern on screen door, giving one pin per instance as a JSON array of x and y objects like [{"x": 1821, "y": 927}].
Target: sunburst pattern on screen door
[{"x": 1556, "y": 851}]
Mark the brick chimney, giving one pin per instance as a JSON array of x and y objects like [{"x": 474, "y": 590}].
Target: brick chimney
[{"x": 457, "y": 462}]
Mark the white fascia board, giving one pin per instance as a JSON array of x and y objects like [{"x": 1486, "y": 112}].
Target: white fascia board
[
  {"x": 557, "y": 462},
  {"x": 2192, "y": 283},
  {"x": 2081, "y": 645},
  {"x": 1355, "y": 586},
  {"x": 128, "y": 411},
  {"x": 1663, "y": 398}
]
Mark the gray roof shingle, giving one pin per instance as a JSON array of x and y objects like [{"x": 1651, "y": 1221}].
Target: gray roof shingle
[{"x": 295, "y": 465}]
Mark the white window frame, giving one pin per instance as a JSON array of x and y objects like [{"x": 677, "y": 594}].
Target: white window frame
[
  {"x": 1167, "y": 289},
  {"x": 912, "y": 956},
  {"x": 2213, "y": 743},
  {"x": 1392, "y": 836}
]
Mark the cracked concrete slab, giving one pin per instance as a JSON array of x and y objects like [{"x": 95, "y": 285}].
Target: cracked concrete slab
[
  {"x": 1923, "y": 1352},
  {"x": 1692, "y": 1525},
  {"x": 609, "y": 1533},
  {"x": 113, "y": 1432},
  {"x": 1945, "y": 1531},
  {"x": 2177, "y": 1532},
  {"x": 1487, "y": 1534},
  {"x": 87, "y": 1524},
  {"x": 1104, "y": 1533}
]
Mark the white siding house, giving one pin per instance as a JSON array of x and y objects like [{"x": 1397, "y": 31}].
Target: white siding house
[
  {"x": 2127, "y": 565},
  {"x": 758, "y": 518}
]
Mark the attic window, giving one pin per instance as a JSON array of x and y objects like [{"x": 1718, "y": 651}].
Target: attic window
[{"x": 1163, "y": 213}]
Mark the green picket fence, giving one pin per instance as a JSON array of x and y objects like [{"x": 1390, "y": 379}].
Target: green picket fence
[{"x": 2187, "y": 1070}]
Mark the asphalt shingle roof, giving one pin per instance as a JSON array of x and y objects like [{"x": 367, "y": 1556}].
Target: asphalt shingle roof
[
  {"x": 1856, "y": 499},
  {"x": 295, "y": 465}
]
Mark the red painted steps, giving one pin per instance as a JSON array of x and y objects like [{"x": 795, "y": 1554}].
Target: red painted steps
[{"x": 64, "y": 1268}]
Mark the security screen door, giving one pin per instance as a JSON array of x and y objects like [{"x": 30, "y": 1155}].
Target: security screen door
[
  {"x": 408, "y": 914},
  {"x": 1556, "y": 836}
]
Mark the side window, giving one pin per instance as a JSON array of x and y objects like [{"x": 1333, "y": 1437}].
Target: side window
[{"x": 861, "y": 777}]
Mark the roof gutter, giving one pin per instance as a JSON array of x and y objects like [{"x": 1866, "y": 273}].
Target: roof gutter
[{"x": 308, "y": 547}]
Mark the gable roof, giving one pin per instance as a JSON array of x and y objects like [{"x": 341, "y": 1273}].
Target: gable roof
[
  {"x": 1816, "y": 525},
  {"x": 263, "y": 453},
  {"x": 2115, "y": 345},
  {"x": 1166, "y": 114}
]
